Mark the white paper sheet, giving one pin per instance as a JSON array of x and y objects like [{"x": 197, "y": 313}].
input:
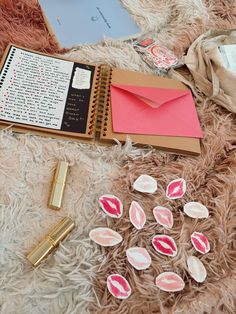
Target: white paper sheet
[
  {"x": 228, "y": 53},
  {"x": 34, "y": 89},
  {"x": 81, "y": 79}
]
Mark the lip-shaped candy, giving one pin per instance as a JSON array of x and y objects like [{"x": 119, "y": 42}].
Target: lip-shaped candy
[
  {"x": 118, "y": 286},
  {"x": 145, "y": 184},
  {"x": 111, "y": 205},
  {"x": 165, "y": 245},
  {"x": 176, "y": 189},
  {"x": 196, "y": 269},
  {"x": 105, "y": 236},
  {"x": 138, "y": 257},
  {"x": 137, "y": 215},
  {"x": 163, "y": 216},
  {"x": 196, "y": 210},
  {"x": 170, "y": 282},
  {"x": 200, "y": 242}
]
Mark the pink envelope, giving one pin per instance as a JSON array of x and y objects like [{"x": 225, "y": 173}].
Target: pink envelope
[{"x": 154, "y": 111}]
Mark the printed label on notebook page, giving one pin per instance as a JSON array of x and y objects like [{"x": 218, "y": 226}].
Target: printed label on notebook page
[
  {"x": 81, "y": 78},
  {"x": 34, "y": 89}
]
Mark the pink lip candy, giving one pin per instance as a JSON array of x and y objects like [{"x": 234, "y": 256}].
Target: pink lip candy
[
  {"x": 111, "y": 205},
  {"x": 176, "y": 189},
  {"x": 200, "y": 242},
  {"x": 165, "y": 245},
  {"x": 118, "y": 286},
  {"x": 137, "y": 215},
  {"x": 105, "y": 236},
  {"x": 163, "y": 216},
  {"x": 170, "y": 282}
]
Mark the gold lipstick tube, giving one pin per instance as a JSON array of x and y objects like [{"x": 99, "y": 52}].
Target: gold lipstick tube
[
  {"x": 58, "y": 185},
  {"x": 51, "y": 241}
]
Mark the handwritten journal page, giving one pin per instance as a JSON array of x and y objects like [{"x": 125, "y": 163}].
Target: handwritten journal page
[{"x": 45, "y": 91}]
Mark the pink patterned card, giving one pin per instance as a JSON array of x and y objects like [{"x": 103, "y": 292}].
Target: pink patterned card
[{"x": 155, "y": 54}]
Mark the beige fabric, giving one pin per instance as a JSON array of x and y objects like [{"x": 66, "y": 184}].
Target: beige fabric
[{"x": 204, "y": 62}]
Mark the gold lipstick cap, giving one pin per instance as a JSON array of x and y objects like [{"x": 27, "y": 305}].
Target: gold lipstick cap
[
  {"x": 51, "y": 241},
  {"x": 58, "y": 185}
]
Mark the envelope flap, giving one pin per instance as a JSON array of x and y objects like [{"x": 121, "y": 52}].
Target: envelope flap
[{"x": 153, "y": 96}]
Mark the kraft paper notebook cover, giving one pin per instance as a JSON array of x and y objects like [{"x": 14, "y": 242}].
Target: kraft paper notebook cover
[{"x": 55, "y": 97}]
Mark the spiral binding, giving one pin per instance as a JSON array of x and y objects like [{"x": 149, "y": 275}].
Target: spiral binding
[
  {"x": 6, "y": 67},
  {"x": 103, "y": 99},
  {"x": 95, "y": 101}
]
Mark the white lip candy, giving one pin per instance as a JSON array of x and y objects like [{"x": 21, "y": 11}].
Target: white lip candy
[
  {"x": 118, "y": 286},
  {"x": 176, "y": 189},
  {"x": 163, "y": 216},
  {"x": 170, "y": 282},
  {"x": 145, "y": 184},
  {"x": 165, "y": 245},
  {"x": 105, "y": 236},
  {"x": 138, "y": 257},
  {"x": 196, "y": 210},
  {"x": 196, "y": 269},
  {"x": 111, "y": 205},
  {"x": 200, "y": 242},
  {"x": 137, "y": 215}
]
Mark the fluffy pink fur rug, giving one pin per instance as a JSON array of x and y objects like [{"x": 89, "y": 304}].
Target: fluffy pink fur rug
[
  {"x": 22, "y": 22},
  {"x": 76, "y": 278}
]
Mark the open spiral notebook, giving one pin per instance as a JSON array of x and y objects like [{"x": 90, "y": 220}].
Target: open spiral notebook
[{"x": 55, "y": 97}]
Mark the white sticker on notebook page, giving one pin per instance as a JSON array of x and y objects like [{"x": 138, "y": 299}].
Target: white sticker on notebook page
[{"x": 81, "y": 78}]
